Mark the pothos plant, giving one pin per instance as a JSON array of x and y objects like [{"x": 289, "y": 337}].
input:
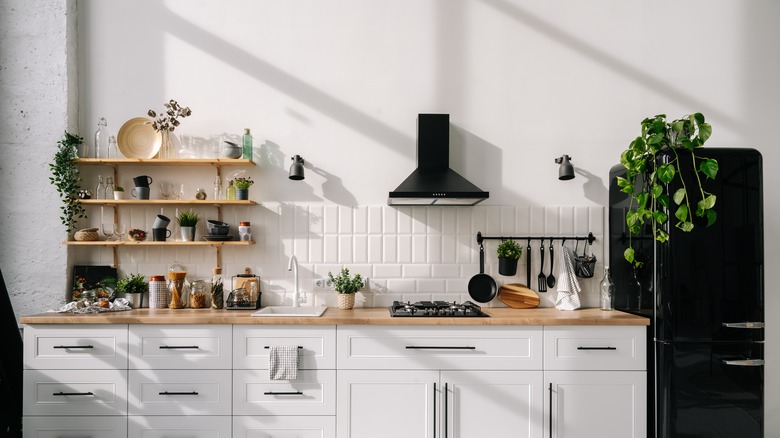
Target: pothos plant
[
  {"x": 649, "y": 201},
  {"x": 67, "y": 179}
]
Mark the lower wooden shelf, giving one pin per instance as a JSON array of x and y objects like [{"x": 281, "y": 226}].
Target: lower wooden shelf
[{"x": 156, "y": 243}]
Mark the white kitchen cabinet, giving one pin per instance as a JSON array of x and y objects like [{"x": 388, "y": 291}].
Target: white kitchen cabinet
[
  {"x": 595, "y": 380},
  {"x": 73, "y": 347},
  {"x": 168, "y": 427},
  {"x": 75, "y": 427},
  {"x": 312, "y": 393},
  {"x": 284, "y": 427},
  {"x": 180, "y": 346},
  {"x": 387, "y": 403}
]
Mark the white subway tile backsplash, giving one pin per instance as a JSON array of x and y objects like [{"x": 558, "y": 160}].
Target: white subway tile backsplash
[
  {"x": 401, "y": 285},
  {"x": 375, "y": 219},
  {"x": 434, "y": 221},
  {"x": 405, "y": 220},
  {"x": 537, "y": 221},
  {"x": 375, "y": 249},
  {"x": 566, "y": 220},
  {"x": 449, "y": 249},
  {"x": 416, "y": 271},
  {"x": 582, "y": 220},
  {"x": 331, "y": 249},
  {"x": 449, "y": 221},
  {"x": 315, "y": 250},
  {"x": 388, "y": 271},
  {"x": 360, "y": 249},
  {"x": 287, "y": 211},
  {"x": 360, "y": 220},
  {"x": 445, "y": 271},
  {"x": 551, "y": 221},
  {"x": 316, "y": 225},
  {"x": 405, "y": 248},
  {"x": 507, "y": 220},
  {"x": 390, "y": 248},
  {"x": 331, "y": 219},
  {"x": 419, "y": 218},
  {"x": 431, "y": 285},
  {"x": 478, "y": 220},
  {"x": 419, "y": 249},
  {"x": 345, "y": 220},
  {"x": 464, "y": 220},
  {"x": 345, "y": 249},
  {"x": 434, "y": 248},
  {"x": 390, "y": 218}
]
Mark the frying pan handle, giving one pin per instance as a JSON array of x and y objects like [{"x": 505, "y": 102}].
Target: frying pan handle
[{"x": 481, "y": 258}]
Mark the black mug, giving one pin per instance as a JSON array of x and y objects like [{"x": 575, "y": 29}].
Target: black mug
[
  {"x": 160, "y": 234},
  {"x": 142, "y": 181}
]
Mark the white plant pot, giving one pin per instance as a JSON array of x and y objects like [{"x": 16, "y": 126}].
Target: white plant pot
[{"x": 119, "y": 195}]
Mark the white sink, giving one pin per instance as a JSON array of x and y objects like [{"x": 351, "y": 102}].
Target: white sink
[{"x": 290, "y": 311}]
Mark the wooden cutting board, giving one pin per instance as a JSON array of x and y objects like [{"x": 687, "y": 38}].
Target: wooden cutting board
[{"x": 518, "y": 296}]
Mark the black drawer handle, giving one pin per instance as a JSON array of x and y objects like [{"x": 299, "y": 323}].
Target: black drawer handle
[
  {"x": 437, "y": 347},
  {"x": 68, "y": 347},
  {"x": 268, "y": 347},
  {"x": 283, "y": 393},
  {"x": 178, "y": 393},
  {"x": 596, "y": 348},
  {"x": 179, "y": 347},
  {"x": 72, "y": 393}
]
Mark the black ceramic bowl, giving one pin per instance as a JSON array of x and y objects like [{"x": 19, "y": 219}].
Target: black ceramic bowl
[
  {"x": 211, "y": 223},
  {"x": 219, "y": 231}
]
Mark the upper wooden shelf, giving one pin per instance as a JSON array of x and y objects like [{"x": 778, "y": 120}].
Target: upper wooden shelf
[
  {"x": 218, "y": 162},
  {"x": 189, "y": 202},
  {"x": 154, "y": 243}
]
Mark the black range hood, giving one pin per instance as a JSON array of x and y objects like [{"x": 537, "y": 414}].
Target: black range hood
[{"x": 433, "y": 182}]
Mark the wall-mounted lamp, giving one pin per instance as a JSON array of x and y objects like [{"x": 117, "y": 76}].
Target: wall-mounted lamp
[
  {"x": 296, "y": 169},
  {"x": 566, "y": 171}
]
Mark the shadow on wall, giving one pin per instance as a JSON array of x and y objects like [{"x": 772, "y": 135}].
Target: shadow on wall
[{"x": 594, "y": 188}]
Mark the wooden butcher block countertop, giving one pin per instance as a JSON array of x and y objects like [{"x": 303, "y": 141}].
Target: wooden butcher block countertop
[{"x": 335, "y": 316}]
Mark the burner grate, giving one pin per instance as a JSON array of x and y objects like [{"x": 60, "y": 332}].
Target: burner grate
[{"x": 436, "y": 309}]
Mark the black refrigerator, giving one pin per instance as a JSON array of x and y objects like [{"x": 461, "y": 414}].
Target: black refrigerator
[{"x": 704, "y": 293}]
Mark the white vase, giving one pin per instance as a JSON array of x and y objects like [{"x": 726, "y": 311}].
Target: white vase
[
  {"x": 119, "y": 195},
  {"x": 187, "y": 234}
]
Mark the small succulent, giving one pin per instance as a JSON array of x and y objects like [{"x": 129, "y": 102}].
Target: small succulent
[{"x": 168, "y": 119}]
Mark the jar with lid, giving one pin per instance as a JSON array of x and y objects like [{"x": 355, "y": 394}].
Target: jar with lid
[
  {"x": 199, "y": 294},
  {"x": 101, "y": 139},
  {"x": 607, "y": 291},
  {"x": 200, "y": 195},
  {"x": 158, "y": 292},
  {"x": 238, "y": 299},
  {"x": 217, "y": 291},
  {"x": 177, "y": 286},
  {"x": 245, "y": 231}
]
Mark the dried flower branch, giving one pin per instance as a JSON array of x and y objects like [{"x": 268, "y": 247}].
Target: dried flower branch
[{"x": 168, "y": 118}]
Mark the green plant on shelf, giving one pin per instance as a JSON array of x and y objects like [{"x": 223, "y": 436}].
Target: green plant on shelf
[
  {"x": 244, "y": 183},
  {"x": 188, "y": 219}
]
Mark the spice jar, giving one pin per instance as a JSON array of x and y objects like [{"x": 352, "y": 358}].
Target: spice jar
[
  {"x": 158, "y": 292},
  {"x": 198, "y": 294},
  {"x": 177, "y": 286},
  {"x": 245, "y": 231}
]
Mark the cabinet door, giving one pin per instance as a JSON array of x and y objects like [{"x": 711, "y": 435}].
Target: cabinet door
[
  {"x": 595, "y": 404},
  {"x": 387, "y": 404},
  {"x": 167, "y": 347},
  {"x": 492, "y": 403},
  {"x": 189, "y": 427},
  {"x": 288, "y": 426},
  {"x": 75, "y": 427}
]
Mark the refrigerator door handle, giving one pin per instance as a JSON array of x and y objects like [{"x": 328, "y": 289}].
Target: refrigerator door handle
[
  {"x": 745, "y": 325},
  {"x": 745, "y": 362}
]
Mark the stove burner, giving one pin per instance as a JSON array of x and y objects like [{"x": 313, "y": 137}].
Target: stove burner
[{"x": 436, "y": 308}]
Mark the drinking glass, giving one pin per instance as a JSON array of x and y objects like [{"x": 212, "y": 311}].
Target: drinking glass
[
  {"x": 166, "y": 190},
  {"x": 108, "y": 231},
  {"x": 119, "y": 231},
  {"x": 180, "y": 191}
]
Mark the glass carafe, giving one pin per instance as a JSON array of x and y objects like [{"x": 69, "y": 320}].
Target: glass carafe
[
  {"x": 101, "y": 139},
  {"x": 177, "y": 286}
]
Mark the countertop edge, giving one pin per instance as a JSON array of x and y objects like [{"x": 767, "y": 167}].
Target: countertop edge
[{"x": 334, "y": 316}]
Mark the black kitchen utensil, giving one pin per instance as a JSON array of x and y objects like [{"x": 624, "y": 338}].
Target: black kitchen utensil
[
  {"x": 482, "y": 287},
  {"x": 542, "y": 278},
  {"x": 528, "y": 265},
  {"x": 584, "y": 266},
  {"x": 551, "y": 277}
]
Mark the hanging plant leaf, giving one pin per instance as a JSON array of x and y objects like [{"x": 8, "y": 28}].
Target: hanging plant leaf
[
  {"x": 709, "y": 167},
  {"x": 679, "y": 196},
  {"x": 666, "y": 173}
]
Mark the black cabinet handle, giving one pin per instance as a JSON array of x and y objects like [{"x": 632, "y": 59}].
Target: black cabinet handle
[
  {"x": 283, "y": 393},
  {"x": 446, "y": 414},
  {"x": 437, "y": 347},
  {"x": 68, "y": 347},
  {"x": 551, "y": 409},
  {"x": 179, "y": 393},
  {"x": 72, "y": 393},
  {"x": 268, "y": 347},
  {"x": 434, "y": 409},
  {"x": 179, "y": 347},
  {"x": 596, "y": 348}
]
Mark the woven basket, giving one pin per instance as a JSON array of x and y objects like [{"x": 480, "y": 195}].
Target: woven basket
[
  {"x": 86, "y": 234},
  {"x": 346, "y": 301}
]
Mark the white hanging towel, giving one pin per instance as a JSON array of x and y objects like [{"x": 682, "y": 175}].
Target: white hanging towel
[
  {"x": 568, "y": 287},
  {"x": 283, "y": 362}
]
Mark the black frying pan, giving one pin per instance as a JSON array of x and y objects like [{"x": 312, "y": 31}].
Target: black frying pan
[{"x": 482, "y": 287}]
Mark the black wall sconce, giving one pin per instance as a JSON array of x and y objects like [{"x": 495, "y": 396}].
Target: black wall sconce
[
  {"x": 296, "y": 169},
  {"x": 566, "y": 171}
]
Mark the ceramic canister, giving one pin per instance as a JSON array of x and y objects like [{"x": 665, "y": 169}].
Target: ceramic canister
[
  {"x": 158, "y": 292},
  {"x": 245, "y": 231}
]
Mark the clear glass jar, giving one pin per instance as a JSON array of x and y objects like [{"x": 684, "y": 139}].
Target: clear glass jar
[
  {"x": 100, "y": 190},
  {"x": 217, "y": 188},
  {"x": 217, "y": 289},
  {"x": 101, "y": 139},
  {"x": 199, "y": 294},
  {"x": 177, "y": 286},
  {"x": 109, "y": 188},
  {"x": 111, "y": 147},
  {"x": 607, "y": 291}
]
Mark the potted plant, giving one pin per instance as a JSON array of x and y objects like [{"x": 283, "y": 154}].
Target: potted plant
[
  {"x": 242, "y": 188},
  {"x": 187, "y": 221},
  {"x": 119, "y": 192},
  {"x": 66, "y": 179},
  {"x": 346, "y": 286},
  {"x": 651, "y": 163},
  {"x": 509, "y": 253},
  {"x": 133, "y": 286}
]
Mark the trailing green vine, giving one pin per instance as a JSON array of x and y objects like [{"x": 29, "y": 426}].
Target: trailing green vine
[
  {"x": 650, "y": 203},
  {"x": 67, "y": 179}
]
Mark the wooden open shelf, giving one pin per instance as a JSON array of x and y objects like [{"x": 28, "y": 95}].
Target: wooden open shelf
[
  {"x": 218, "y": 162},
  {"x": 189, "y": 202},
  {"x": 155, "y": 243}
]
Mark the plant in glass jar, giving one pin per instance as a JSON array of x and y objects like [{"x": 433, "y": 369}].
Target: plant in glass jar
[
  {"x": 509, "y": 253},
  {"x": 242, "y": 187},
  {"x": 166, "y": 122},
  {"x": 67, "y": 179},
  {"x": 346, "y": 286}
]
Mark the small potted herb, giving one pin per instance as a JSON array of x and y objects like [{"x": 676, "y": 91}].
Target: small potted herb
[
  {"x": 242, "y": 188},
  {"x": 346, "y": 286},
  {"x": 509, "y": 253},
  {"x": 187, "y": 221},
  {"x": 119, "y": 192},
  {"x": 133, "y": 287}
]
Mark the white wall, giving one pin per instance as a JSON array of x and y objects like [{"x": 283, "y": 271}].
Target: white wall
[{"x": 340, "y": 82}]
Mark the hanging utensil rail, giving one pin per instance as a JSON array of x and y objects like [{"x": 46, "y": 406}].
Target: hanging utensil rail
[{"x": 590, "y": 238}]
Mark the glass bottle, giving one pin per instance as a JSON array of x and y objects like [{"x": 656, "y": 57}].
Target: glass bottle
[
  {"x": 230, "y": 191},
  {"x": 635, "y": 291},
  {"x": 101, "y": 139},
  {"x": 217, "y": 188},
  {"x": 109, "y": 194},
  {"x": 100, "y": 190},
  {"x": 217, "y": 289},
  {"x": 607, "y": 290},
  {"x": 247, "y": 144},
  {"x": 111, "y": 147}
]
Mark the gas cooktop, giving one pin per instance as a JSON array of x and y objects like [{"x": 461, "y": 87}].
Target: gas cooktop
[{"x": 436, "y": 308}]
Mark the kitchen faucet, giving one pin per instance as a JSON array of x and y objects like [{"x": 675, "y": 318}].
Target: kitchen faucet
[{"x": 296, "y": 295}]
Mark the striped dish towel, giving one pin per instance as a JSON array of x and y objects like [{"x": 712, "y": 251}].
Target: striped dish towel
[
  {"x": 568, "y": 287},
  {"x": 283, "y": 362}
]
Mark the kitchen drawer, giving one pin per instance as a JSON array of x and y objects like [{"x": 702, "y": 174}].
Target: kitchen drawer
[
  {"x": 75, "y": 427},
  {"x": 440, "y": 348},
  {"x": 595, "y": 348},
  {"x": 75, "y": 392},
  {"x": 179, "y": 392},
  {"x": 252, "y": 343},
  {"x": 70, "y": 347},
  {"x": 189, "y": 427},
  {"x": 312, "y": 393},
  {"x": 285, "y": 427},
  {"x": 180, "y": 346}
]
